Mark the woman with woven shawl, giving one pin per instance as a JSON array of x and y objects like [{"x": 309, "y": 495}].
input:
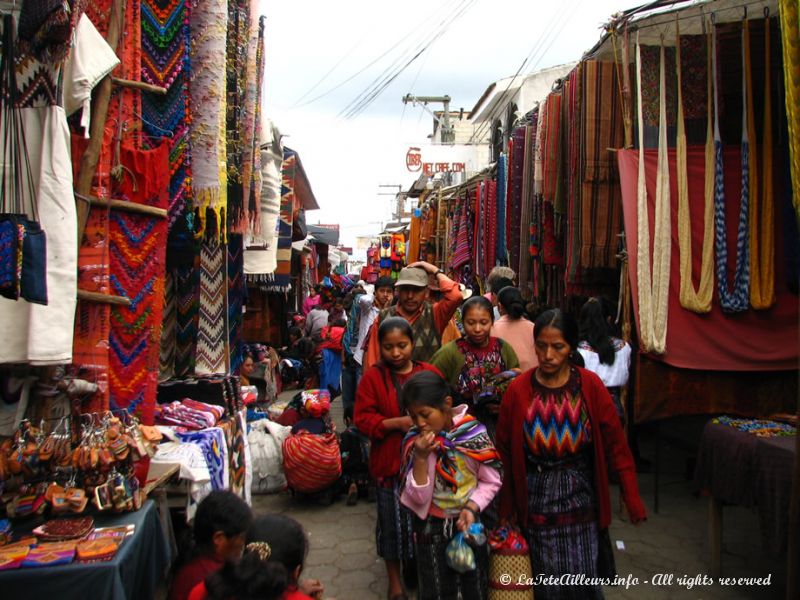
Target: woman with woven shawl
[
  {"x": 558, "y": 433},
  {"x": 452, "y": 473},
  {"x": 478, "y": 366}
]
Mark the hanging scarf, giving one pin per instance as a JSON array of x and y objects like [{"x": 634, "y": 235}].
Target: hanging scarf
[
  {"x": 653, "y": 295},
  {"x": 736, "y": 300},
  {"x": 790, "y": 35},
  {"x": 467, "y": 436},
  {"x": 762, "y": 232},
  {"x": 501, "y": 252},
  {"x": 698, "y": 301}
]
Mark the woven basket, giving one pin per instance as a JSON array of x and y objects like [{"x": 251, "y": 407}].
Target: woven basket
[{"x": 508, "y": 566}]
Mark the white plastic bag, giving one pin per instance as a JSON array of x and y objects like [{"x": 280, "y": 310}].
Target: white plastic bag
[{"x": 266, "y": 452}]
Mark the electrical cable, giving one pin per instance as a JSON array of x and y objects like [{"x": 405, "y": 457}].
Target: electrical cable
[
  {"x": 362, "y": 69},
  {"x": 378, "y": 85},
  {"x": 386, "y": 73}
]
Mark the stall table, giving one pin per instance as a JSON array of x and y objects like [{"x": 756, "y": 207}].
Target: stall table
[
  {"x": 134, "y": 573},
  {"x": 740, "y": 468}
]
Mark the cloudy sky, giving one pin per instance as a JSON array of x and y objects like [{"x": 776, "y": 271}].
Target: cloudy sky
[{"x": 322, "y": 57}]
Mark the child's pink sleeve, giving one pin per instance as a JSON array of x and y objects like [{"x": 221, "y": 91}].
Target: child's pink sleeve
[
  {"x": 415, "y": 497},
  {"x": 489, "y": 482}
]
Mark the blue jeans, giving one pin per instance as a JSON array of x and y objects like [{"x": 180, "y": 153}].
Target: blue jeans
[{"x": 351, "y": 373}]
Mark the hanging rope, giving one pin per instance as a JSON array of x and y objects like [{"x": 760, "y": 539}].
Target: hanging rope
[
  {"x": 699, "y": 300},
  {"x": 653, "y": 294},
  {"x": 736, "y": 300},
  {"x": 762, "y": 226}
]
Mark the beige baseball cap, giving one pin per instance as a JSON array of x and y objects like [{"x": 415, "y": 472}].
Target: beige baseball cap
[{"x": 413, "y": 276}]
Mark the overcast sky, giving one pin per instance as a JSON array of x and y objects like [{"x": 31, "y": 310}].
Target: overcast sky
[{"x": 316, "y": 48}]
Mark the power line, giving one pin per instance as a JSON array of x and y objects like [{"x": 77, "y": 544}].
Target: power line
[
  {"x": 369, "y": 95},
  {"x": 421, "y": 36},
  {"x": 362, "y": 69}
]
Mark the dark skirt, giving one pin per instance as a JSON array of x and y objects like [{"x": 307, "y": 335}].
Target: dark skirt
[
  {"x": 393, "y": 528},
  {"x": 562, "y": 526},
  {"x": 436, "y": 579}
]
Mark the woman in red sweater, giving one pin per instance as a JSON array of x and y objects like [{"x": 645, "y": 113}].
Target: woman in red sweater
[
  {"x": 557, "y": 433},
  {"x": 379, "y": 416}
]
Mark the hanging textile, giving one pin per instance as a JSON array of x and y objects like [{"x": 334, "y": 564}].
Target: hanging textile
[
  {"x": 651, "y": 57},
  {"x": 279, "y": 280},
  {"x": 256, "y": 184},
  {"x": 738, "y": 299},
  {"x": 525, "y": 263},
  {"x": 492, "y": 224},
  {"x": 602, "y": 128},
  {"x": 138, "y": 267},
  {"x": 479, "y": 231},
  {"x": 165, "y": 63},
  {"x": 698, "y": 300},
  {"x": 695, "y": 70},
  {"x": 37, "y": 333},
  {"x": 462, "y": 246},
  {"x": 551, "y": 152},
  {"x": 515, "y": 194},
  {"x": 790, "y": 36},
  {"x": 538, "y": 157},
  {"x": 187, "y": 293},
  {"x": 212, "y": 334},
  {"x": 653, "y": 294},
  {"x": 236, "y": 300},
  {"x": 414, "y": 231},
  {"x": 762, "y": 210},
  {"x": 572, "y": 225},
  {"x": 209, "y": 25},
  {"x": 169, "y": 330},
  {"x": 501, "y": 251}
]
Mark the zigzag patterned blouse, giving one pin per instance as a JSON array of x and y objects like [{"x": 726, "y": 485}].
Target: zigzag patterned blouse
[{"x": 557, "y": 422}]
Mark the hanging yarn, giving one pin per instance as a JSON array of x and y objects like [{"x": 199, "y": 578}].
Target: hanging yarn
[
  {"x": 762, "y": 226},
  {"x": 738, "y": 299},
  {"x": 698, "y": 300},
  {"x": 790, "y": 37},
  {"x": 653, "y": 294}
]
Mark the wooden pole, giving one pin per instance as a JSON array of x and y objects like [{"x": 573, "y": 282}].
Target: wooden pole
[
  {"x": 103, "y": 298},
  {"x": 126, "y": 206},
  {"x": 139, "y": 85},
  {"x": 91, "y": 155}
]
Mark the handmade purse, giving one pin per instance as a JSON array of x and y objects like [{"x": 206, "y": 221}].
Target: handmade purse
[{"x": 23, "y": 244}]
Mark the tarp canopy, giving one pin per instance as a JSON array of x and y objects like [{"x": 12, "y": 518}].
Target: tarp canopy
[{"x": 323, "y": 235}]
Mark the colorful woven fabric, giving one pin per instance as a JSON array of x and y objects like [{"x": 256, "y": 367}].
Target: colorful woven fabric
[
  {"x": 694, "y": 75},
  {"x": 279, "y": 280},
  {"x": 187, "y": 291},
  {"x": 311, "y": 462},
  {"x": 165, "y": 63},
  {"x": 212, "y": 333},
  {"x": 517, "y": 161},
  {"x": 209, "y": 25},
  {"x": 236, "y": 299},
  {"x": 790, "y": 35},
  {"x": 551, "y": 153},
  {"x": 650, "y": 87},
  {"x": 166, "y": 363},
  {"x": 126, "y": 105},
  {"x": 137, "y": 250},
  {"x": 602, "y": 128},
  {"x": 523, "y": 240},
  {"x": 461, "y": 238},
  {"x": 737, "y": 299},
  {"x": 501, "y": 250}
]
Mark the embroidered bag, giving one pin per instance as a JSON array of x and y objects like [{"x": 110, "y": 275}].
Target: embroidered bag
[{"x": 22, "y": 241}]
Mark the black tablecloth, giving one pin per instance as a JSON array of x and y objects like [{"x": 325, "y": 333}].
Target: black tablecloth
[
  {"x": 133, "y": 574},
  {"x": 740, "y": 468}
]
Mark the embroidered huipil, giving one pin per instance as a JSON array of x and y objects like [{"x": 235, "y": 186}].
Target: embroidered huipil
[{"x": 557, "y": 422}]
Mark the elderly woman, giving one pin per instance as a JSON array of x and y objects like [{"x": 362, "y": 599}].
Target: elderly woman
[{"x": 557, "y": 434}]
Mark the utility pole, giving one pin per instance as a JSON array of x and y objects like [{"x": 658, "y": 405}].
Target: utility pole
[
  {"x": 399, "y": 196},
  {"x": 448, "y": 135}
]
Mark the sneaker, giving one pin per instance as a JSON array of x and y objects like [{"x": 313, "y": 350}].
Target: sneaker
[{"x": 352, "y": 495}]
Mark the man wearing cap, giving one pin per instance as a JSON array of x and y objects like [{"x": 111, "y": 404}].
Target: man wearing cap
[{"x": 428, "y": 320}]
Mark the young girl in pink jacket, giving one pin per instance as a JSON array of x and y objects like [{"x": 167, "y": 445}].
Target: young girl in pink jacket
[{"x": 452, "y": 474}]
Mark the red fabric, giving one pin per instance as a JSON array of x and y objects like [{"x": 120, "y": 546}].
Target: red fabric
[
  {"x": 191, "y": 577},
  {"x": 608, "y": 440},
  {"x": 199, "y": 592},
  {"x": 331, "y": 338},
  {"x": 764, "y": 340},
  {"x": 311, "y": 462},
  {"x": 376, "y": 400}
]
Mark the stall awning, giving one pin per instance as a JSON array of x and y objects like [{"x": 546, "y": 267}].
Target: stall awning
[{"x": 323, "y": 235}]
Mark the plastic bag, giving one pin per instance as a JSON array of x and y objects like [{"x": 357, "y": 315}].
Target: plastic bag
[{"x": 460, "y": 556}]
